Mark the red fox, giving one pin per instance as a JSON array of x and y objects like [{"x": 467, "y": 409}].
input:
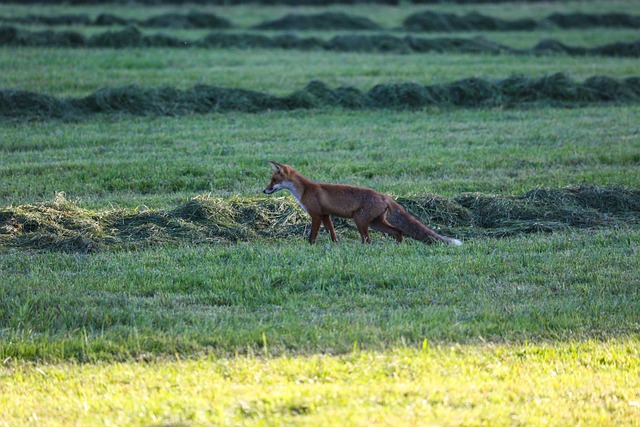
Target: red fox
[{"x": 367, "y": 207}]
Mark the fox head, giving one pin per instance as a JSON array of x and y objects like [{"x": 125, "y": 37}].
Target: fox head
[{"x": 279, "y": 179}]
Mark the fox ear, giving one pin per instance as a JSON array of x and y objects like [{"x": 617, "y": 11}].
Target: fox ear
[{"x": 276, "y": 166}]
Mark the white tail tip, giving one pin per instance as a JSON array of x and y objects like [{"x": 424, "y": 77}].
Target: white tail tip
[{"x": 454, "y": 242}]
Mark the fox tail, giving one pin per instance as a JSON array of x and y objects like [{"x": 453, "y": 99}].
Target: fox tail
[{"x": 409, "y": 225}]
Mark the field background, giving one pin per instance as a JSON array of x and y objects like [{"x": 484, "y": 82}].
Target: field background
[{"x": 145, "y": 280}]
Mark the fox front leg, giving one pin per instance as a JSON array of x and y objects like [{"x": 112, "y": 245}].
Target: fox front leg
[{"x": 315, "y": 226}]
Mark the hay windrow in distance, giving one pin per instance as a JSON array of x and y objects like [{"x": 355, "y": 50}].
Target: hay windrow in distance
[
  {"x": 590, "y": 20},
  {"x": 61, "y": 225},
  {"x": 131, "y": 37},
  {"x": 267, "y": 2},
  {"x": 426, "y": 21},
  {"x": 431, "y": 21},
  {"x": 513, "y": 92},
  {"x": 320, "y": 22},
  {"x": 191, "y": 20}
]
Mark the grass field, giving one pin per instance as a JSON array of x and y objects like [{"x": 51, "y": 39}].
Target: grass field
[
  {"x": 245, "y": 16},
  {"x": 276, "y": 72},
  {"x": 109, "y": 316},
  {"x": 169, "y": 160},
  {"x": 588, "y": 383}
]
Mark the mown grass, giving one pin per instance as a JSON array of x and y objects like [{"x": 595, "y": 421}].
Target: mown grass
[
  {"x": 161, "y": 162},
  {"x": 245, "y": 16},
  {"x": 529, "y": 329},
  {"x": 226, "y": 299},
  {"x": 68, "y": 72},
  {"x": 591, "y": 383},
  {"x": 511, "y": 39}
]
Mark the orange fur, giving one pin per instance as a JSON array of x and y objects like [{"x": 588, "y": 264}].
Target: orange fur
[{"x": 366, "y": 207}]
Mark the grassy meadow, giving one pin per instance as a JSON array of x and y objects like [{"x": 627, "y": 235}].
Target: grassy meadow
[{"x": 521, "y": 328}]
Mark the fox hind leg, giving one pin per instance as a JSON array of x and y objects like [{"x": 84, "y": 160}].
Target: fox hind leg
[
  {"x": 363, "y": 229},
  {"x": 328, "y": 225},
  {"x": 381, "y": 224}
]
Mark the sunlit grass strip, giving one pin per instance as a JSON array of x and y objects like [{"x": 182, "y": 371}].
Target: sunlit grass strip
[{"x": 581, "y": 383}]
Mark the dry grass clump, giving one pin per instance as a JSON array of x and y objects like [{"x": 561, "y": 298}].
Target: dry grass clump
[
  {"x": 166, "y": 20},
  {"x": 58, "y": 225},
  {"x": 422, "y": 21},
  {"x": 442, "y": 21},
  {"x": 130, "y": 36},
  {"x": 446, "y": 215},
  {"x": 549, "y": 210},
  {"x": 321, "y": 21},
  {"x": 554, "y": 90},
  {"x": 437, "y": 21},
  {"x": 244, "y": 219},
  {"x": 62, "y": 225},
  {"x": 15, "y": 103}
]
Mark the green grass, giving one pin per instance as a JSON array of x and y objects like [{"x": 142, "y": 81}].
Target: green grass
[
  {"x": 514, "y": 39},
  {"x": 160, "y": 162},
  {"x": 245, "y": 16},
  {"x": 591, "y": 383},
  {"x": 530, "y": 329},
  {"x": 222, "y": 299},
  {"x": 68, "y": 72}
]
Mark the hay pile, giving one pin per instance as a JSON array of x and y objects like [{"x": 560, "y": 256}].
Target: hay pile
[
  {"x": 21, "y": 104},
  {"x": 321, "y": 21},
  {"x": 442, "y": 22},
  {"x": 167, "y": 20},
  {"x": 265, "y": 2},
  {"x": 63, "y": 226},
  {"x": 57, "y": 225},
  {"x": 554, "y": 90},
  {"x": 589, "y": 20},
  {"x": 33, "y": 19},
  {"x": 132, "y": 37},
  {"x": 548, "y": 210},
  {"x": 617, "y": 49},
  {"x": 421, "y": 21},
  {"x": 186, "y": 21},
  {"x": 171, "y": 101}
]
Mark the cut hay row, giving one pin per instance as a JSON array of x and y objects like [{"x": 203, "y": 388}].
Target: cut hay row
[
  {"x": 442, "y": 22},
  {"x": 167, "y": 20},
  {"x": 516, "y": 91},
  {"x": 131, "y": 37},
  {"x": 427, "y": 21},
  {"x": 62, "y": 225},
  {"x": 267, "y": 2}
]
